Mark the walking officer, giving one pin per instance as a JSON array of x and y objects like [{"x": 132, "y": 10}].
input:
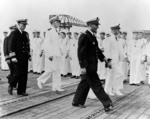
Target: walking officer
[
  {"x": 19, "y": 53},
  {"x": 6, "y": 53},
  {"x": 88, "y": 55}
]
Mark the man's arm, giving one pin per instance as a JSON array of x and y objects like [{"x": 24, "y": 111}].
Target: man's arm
[
  {"x": 5, "y": 48},
  {"x": 11, "y": 47},
  {"x": 82, "y": 50},
  {"x": 29, "y": 53}
]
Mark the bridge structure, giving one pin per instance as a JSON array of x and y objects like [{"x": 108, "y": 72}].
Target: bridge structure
[{"x": 68, "y": 21}]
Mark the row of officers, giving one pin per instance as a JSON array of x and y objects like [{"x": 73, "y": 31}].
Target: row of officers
[{"x": 57, "y": 54}]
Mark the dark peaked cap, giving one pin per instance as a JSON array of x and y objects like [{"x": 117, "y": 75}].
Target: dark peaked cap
[
  {"x": 115, "y": 27},
  {"x": 23, "y": 21},
  {"x": 13, "y": 27},
  {"x": 94, "y": 21}
]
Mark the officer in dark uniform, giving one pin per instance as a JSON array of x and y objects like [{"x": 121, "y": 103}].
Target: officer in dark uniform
[
  {"x": 6, "y": 54},
  {"x": 19, "y": 53},
  {"x": 88, "y": 55}
]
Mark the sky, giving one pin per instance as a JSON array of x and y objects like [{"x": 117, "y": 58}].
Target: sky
[{"x": 130, "y": 14}]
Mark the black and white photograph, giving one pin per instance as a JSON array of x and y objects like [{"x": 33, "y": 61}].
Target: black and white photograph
[{"x": 74, "y": 59}]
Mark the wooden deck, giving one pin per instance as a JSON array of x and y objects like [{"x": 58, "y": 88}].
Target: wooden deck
[
  {"x": 62, "y": 108},
  {"x": 45, "y": 104}
]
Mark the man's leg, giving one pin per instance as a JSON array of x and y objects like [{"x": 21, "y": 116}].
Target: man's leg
[
  {"x": 95, "y": 84},
  {"x": 118, "y": 79},
  {"x": 15, "y": 77},
  {"x": 9, "y": 75},
  {"x": 56, "y": 81},
  {"x": 44, "y": 77},
  {"x": 22, "y": 82},
  {"x": 109, "y": 81},
  {"x": 82, "y": 91}
]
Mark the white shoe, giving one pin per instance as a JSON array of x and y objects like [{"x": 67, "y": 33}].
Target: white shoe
[
  {"x": 111, "y": 94},
  {"x": 59, "y": 90},
  {"x": 39, "y": 84},
  {"x": 118, "y": 93}
]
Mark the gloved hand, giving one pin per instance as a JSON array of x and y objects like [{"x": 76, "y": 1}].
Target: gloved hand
[{"x": 14, "y": 60}]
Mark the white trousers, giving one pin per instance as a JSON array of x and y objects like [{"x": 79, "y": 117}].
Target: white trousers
[
  {"x": 114, "y": 79},
  {"x": 65, "y": 65},
  {"x": 37, "y": 64},
  {"x": 75, "y": 67},
  {"x": 134, "y": 71},
  {"x": 125, "y": 68},
  {"x": 101, "y": 70},
  {"x": 30, "y": 65},
  {"x": 148, "y": 75},
  {"x": 52, "y": 70},
  {"x": 142, "y": 72},
  {"x": 43, "y": 62},
  {"x": 4, "y": 65}
]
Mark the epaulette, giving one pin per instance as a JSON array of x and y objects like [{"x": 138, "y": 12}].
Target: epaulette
[{"x": 84, "y": 32}]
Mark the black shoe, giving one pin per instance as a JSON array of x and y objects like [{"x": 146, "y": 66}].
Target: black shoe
[
  {"x": 132, "y": 84},
  {"x": 73, "y": 76},
  {"x": 108, "y": 109},
  {"x": 69, "y": 74},
  {"x": 23, "y": 94},
  {"x": 137, "y": 84},
  {"x": 38, "y": 73},
  {"x": 78, "y": 105},
  {"x": 142, "y": 82},
  {"x": 125, "y": 81},
  {"x": 65, "y": 76},
  {"x": 43, "y": 72},
  {"x": 10, "y": 90}
]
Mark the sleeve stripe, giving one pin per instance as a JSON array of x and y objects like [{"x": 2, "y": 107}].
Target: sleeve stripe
[{"x": 12, "y": 54}]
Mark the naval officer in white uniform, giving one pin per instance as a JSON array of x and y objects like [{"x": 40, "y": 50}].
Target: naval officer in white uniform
[{"x": 52, "y": 57}]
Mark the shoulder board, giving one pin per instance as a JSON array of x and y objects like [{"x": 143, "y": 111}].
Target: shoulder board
[{"x": 83, "y": 33}]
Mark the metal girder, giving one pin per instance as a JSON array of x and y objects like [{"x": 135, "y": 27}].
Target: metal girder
[{"x": 68, "y": 21}]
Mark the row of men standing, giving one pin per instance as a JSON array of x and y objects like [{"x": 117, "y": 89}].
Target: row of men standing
[{"x": 133, "y": 60}]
